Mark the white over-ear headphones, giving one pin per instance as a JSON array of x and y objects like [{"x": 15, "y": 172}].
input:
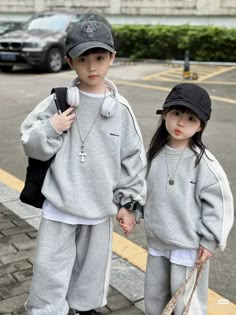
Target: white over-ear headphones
[
  {"x": 109, "y": 104},
  {"x": 72, "y": 96}
]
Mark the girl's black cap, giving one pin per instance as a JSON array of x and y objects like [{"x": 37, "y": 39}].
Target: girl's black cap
[{"x": 191, "y": 96}]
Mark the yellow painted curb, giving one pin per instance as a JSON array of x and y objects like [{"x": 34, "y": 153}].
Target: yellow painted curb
[
  {"x": 218, "y": 305},
  {"x": 136, "y": 255},
  {"x": 11, "y": 181},
  {"x": 130, "y": 251}
]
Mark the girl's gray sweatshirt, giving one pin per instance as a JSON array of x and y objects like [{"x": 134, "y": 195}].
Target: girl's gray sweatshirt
[
  {"x": 113, "y": 172},
  {"x": 196, "y": 210}
]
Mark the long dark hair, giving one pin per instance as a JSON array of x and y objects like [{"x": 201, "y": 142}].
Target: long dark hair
[{"x": 161, "y": 137}]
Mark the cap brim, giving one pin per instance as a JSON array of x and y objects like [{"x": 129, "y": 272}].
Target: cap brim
[
  {"x": 78, "y": 50},
  {"x": 159, "y": 112}
]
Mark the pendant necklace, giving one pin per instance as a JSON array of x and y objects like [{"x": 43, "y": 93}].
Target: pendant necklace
[
  {"x": 171, "y": 180},
  {"x": 82, "y": 152}
]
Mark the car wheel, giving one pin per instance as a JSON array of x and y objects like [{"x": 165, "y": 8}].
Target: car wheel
[
  {"x": 6, "y": 68},
  {"x": 54, "y": 60}
]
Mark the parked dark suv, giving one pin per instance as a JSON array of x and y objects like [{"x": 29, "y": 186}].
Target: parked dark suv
[{"x": 40, "y": 42}]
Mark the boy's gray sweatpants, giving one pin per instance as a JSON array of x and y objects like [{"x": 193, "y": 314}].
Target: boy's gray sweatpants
[
  {"x": 163, "y": 278},
  {"x": 71, "y": 268}
]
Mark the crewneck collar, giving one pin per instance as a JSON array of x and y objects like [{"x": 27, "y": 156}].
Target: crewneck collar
[{"x": 172, "y": 151}]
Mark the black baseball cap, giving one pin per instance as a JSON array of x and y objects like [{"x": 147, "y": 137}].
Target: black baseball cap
[
  {"x": 191, "y": 96},
  {"x": 87, "y": 35}
]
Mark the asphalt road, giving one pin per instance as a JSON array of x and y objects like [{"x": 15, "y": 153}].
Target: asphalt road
[{"x": 145, "y": 85}]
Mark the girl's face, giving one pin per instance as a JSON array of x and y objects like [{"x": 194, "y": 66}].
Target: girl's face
[
  {"x": 181, "y": 126},
  {"x": 91, "y": 69}
]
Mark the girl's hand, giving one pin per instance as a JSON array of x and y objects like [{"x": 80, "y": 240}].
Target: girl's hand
[
  {"x": 123, "y": 226},
  {"x": 62, "y": 122},
  {"x": 203, "y": 255}
]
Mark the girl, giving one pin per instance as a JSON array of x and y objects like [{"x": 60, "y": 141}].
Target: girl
[{"x": 189, "y": 209}]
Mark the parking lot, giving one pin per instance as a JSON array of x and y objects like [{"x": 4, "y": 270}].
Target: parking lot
[{"x": 145, "y": 85}]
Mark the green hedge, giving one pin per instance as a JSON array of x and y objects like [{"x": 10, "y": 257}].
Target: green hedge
[{"x": 205, "y": 43}]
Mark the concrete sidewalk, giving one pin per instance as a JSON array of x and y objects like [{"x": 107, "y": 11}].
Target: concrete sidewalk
[{"x": 18, "y": 230}]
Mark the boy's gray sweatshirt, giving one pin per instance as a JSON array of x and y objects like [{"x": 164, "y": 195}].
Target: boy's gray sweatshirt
[
  {"x": 196, "y": 210},
  {"x": 114, "y": 169}
]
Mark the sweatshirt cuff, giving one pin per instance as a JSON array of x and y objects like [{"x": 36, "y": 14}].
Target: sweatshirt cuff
[
  {"x": 50, "y": 130},
  {"x": 210, "y": 245}
]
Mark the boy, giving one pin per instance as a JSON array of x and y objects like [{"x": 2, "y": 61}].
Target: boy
[{"x": 98, "y": 169}]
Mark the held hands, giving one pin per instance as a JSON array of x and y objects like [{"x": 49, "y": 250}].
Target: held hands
[
  {"x": 62, "y": 122},
  {"x": 126, "y": 220},
  {"x": 203, "y": 255}
]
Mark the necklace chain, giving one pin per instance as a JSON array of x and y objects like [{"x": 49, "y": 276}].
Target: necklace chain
[
  {"x": 171, "y": 180},
  {"x": 82, "y": 153}
]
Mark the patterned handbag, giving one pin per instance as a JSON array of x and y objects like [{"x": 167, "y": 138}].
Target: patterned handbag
[{"x": 198, "y": 268}]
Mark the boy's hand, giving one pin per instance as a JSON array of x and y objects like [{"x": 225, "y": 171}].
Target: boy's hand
[
  {"x": 203, "y": 255},
  {"x": 126, "y": 220},
  {"x": 62, "y": 122}
]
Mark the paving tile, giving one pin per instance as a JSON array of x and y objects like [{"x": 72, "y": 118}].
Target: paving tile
[
  {"x": 22, "y": 210},
  {"x": 24, "y": 244},
  {"x": 23, "y": 275},
  {"x": 32, "y": 234},
  {"x": 6, "y": 225},
  {"x": 21, "y": 311},
  {"x": 14, "y": 266},
  {"x": 7, "y": 216},
  {"x": 132, "y": 287},
  {"x": 26, "y": 254},
  {"x": 7, "y": 249},
  {"x": 13, "y": 303},
  {"x": 117, "y": 301},
  {"x": 17, "y": 230},
  {"x": 140, "y": 305},
  {"x": 14, "y": 238},
  {"x": 14, "y": 290},
  {"x": 128, "y": 311},
  {"x": 6, "y": 280}
]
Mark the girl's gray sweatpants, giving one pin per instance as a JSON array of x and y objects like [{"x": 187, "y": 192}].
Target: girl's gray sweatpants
[
  {"x": 71, "y": 267},
  {"x": 163, "y": 278}
]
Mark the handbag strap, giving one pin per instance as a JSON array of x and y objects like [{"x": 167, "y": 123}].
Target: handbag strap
[{"x": 198, "y": 268}]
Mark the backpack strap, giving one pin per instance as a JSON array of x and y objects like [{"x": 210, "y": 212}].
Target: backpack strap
[{"x": 60, "y": 98}]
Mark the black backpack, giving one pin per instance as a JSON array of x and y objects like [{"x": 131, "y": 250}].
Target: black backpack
[{"x": 36, "y": 169}]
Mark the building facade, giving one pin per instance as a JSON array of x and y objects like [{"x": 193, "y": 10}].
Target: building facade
[{"x": 132, "y": 11}]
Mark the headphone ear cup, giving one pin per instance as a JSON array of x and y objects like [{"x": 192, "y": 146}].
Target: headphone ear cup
[
  {"x": 72, "y": 96},
  {"x": 108, "y": 107}
]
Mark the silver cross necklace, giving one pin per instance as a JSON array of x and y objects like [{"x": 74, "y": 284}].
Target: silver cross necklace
[
  {"x": 171, "y": 180},
  {"x": 82, "y": 152}
]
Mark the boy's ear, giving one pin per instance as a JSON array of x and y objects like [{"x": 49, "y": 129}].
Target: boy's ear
[
  {"x": 113, "y": 55},
  {"x": 69, "y": 61}
]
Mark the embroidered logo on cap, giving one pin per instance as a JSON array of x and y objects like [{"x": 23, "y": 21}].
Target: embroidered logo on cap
[
  {"x": 89, "y": 30},
  {"x": 177, "y": 93}
]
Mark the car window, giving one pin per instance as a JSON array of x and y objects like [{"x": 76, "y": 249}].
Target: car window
[
  {"x": 8, "y": 26},
  {"x": 56, "y": 23}
]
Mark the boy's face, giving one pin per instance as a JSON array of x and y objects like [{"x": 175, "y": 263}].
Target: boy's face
[{"x": 91, "y": 69}]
